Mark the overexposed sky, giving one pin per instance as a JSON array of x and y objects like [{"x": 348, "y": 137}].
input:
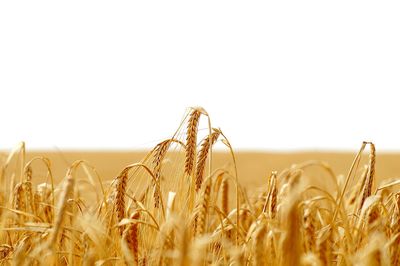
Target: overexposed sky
[{"x": 283, "y": 75}]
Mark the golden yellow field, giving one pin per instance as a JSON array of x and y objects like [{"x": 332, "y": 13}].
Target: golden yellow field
[
  {"x": 182, "y": 203},
  {"x": 253, "y": 167}
]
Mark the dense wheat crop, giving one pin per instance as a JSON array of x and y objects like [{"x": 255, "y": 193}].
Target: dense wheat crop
[{"x": 175, "y": 208}]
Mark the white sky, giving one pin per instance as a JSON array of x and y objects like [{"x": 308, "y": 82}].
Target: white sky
[{"x": 119, "y": 74}]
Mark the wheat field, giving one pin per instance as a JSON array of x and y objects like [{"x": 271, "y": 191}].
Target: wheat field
[{"x": 193, "y": 200}]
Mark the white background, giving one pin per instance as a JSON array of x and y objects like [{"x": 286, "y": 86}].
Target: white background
[{"x": 278, "y": 76}]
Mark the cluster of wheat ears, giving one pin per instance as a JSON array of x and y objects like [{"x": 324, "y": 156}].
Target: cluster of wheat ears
[{"x": 175, "y": 208}]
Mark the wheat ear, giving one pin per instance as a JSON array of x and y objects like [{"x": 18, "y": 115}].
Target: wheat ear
[
  {"x": 309, "y": 228},
  {"x": 370, "y": 178},
  {"x": 191, "y": 141},
  {"x": 159, "y": 154},
  {"x": 225, "y": 195},
  {"x": 273, "y": 196},
  {"x": 200, "y": 220},
  {"x": 202, "y": 156},
  {"x": 131, "y": 237},
  {"x": 19, "y": 194},
  {"x": 120, "y": 189},
  {"x": 62, "y": 206}
]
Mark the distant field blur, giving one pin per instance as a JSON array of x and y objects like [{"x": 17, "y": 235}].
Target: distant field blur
[{"x": 253, "y": 167}]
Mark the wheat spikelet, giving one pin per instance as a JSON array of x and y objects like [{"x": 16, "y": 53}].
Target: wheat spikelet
[
  {"x": 28, "y": 189},
  {"x": 29, "y": 196},
  {"x": 191, "y": 141},
  {"x": 19, "y": 195},
  {"x": 357, "y": 189},
  {"x": 28, "y": 173},
  {"x": 309, "y": 229},
  {"x": 36, "y": 203},
  {"x": 131, "y": 237},
  {"x": 202, "y": 156},
  {"x": 261, "y": 202},
  {"x": 62, "y": 206},
  {"x": 370, "y": 178},
  {"x": 120, "y": 189},
  {"x": 373, "y": 215},
  {"x": 41, "y": 204},
  {"x": 245, "y": 217},
  {"x": 159, "y": 154},
  {"x": 200, "y": 219},
  {"x": 372, "y": 159},
  {"x": 274, "y": 196},
  {"x": 225, "y": 196}
]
